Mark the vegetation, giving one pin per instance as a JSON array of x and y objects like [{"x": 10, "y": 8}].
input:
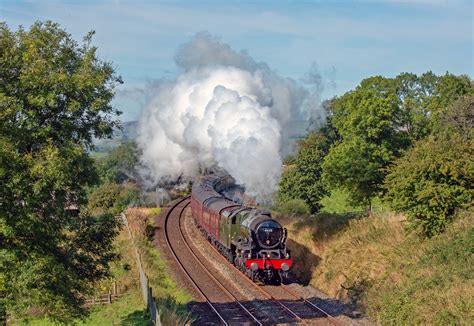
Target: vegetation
[
  {"x": 431, "y": 181},
  {"x": 294, "y": 207},
  {"x": 378, "y": 121},
  {"x": 402, "y": 144},
  {"x": 171, "y": 300},
  {"x": 436, "y": 176},
  {"x": 129, "y": 309},
  {"x": 302, "y": 179},
  {"x": 119, "y": 165},
  {"x": 55, "y": 98},
  {"x": 395, "y": 277},
  {"x": 112, "y": 198}
]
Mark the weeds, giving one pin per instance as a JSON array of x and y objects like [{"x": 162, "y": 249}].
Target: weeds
[{"x": 170, "y": 299}]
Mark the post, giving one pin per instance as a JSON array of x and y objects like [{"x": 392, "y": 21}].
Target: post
[{"x": 115, "y": 287}]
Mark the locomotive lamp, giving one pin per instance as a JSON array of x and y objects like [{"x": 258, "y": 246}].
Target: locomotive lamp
[
  {"x": 254, "y": 266},
  {"x": 285, "y": 267}
]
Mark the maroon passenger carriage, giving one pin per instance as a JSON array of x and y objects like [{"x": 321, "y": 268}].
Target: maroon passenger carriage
[{"x": 248, "y": 237}]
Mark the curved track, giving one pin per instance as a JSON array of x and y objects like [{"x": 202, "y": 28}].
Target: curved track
[
  {"x": 225, "y": 305},
  {"x": 294, "y": 305}
]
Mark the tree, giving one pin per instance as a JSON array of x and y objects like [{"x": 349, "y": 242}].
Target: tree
[
  {"x": 112, "y": 198},
  {"x": 54, "y": 99},
  {"x": 119, "y": 165},
  {"x": 436, "y": 176},
  {"x": 302, "y": 179},
  {"x": 378, "y": 121}
]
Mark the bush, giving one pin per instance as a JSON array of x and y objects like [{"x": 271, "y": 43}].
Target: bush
[
  {"x": 112, "y": 198},
  {"x": 294, "y": 207},
  {"x": 302, "y": 180},
  {"x": 431, "y": 181}
]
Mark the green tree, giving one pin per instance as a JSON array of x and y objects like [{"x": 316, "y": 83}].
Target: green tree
[
  {"x": 302, "y": 179},
  {"x": 378, "y": 121},
  {"x": 436, "y": 176},
  {"x": 54, "y": 99},
  {"x": 119, "y": 165},
  {"x": 112, "y": 198}
]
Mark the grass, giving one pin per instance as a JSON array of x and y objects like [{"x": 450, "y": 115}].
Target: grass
[
  {"x": 171, "y": 300},
  {"x": 128, "y": 309},
  {"x": 395, "y": 277},
  {"x": 338, "y": 202}
]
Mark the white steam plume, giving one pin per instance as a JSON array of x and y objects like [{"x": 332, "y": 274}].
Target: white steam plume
[{"x": 224, "y": 109}]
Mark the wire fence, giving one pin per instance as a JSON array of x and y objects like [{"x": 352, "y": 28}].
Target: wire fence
[{"x": 147, "y": 293}]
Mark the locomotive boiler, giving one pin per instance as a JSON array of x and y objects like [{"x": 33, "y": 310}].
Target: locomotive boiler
[{"x": 248, "y": 237}]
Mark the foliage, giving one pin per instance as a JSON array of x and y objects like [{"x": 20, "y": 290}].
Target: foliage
[
  {"x": 112, "y": 198},
  {"x": 459, "y": 118},
  {"x": 119, "y": 165},
  {"x": 432, "y": 180},
  {"x": 294, "y": 207},
  {"x": 378, "y": 121},
  {"x": 400, "y": 278},
  {"x": 302, "y": 180},
  {"x": 171, "y": 300},
  {"x": 54, "y": 98},
  {"x": 338, "y": 202}
]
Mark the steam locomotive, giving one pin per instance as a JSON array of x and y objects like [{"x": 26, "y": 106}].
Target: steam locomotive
[{"x": 248, "y": 237}]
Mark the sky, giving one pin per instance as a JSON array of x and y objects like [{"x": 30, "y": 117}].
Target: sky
[{"x": 346, "y": 41}]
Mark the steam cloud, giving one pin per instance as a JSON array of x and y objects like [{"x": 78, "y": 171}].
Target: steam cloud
[{"x": 224, "y": 109}]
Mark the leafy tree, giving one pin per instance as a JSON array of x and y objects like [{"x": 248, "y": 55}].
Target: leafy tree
[
  {"x": 302, "y": 179},
  {"x": 119, "y": 165},
  {"x": 54, "y": 99},
  {"x": 436, "y": 176},
  {"x": 112, "y": 198},
  {"x": 378, "y": 121}
]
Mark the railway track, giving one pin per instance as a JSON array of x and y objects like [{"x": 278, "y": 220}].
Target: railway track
[
  {"x": 294, "y": 305},
  {"x": 225, "y": 305},
  {"x": 228, "y": 309}
]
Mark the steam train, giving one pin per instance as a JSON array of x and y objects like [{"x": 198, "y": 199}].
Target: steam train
[{"x": 248, "y": 237}]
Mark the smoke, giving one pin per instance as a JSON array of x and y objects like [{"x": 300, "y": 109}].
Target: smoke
[{"x": 224, "y": 109}]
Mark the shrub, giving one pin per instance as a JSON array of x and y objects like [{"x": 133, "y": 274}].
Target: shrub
[
  {"x": 431, "y": 181},
  {"x": 112, "y": 198},
  {"x": 294, "y": 207}
]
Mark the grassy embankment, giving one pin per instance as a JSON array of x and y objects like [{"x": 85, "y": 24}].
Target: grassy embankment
[
  {"x": 171, "y": 300},
  {"x": 396, "y": 277}
]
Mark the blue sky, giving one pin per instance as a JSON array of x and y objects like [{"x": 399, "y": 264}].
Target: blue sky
[{"x": 346, "y": 40}]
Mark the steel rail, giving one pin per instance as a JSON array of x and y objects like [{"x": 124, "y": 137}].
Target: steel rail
[
  {"x": 271, "y": 297},
  {"x": 180, "y": 264},
  {"x": 206, "y": 269},
  {"x": 312, "y": 305},
  {"x": 265, "y": 293}
]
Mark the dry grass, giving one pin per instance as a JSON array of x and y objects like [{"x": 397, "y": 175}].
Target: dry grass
[{"x": 396, "y": 277}]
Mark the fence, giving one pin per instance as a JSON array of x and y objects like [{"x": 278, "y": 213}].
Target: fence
[
  {"x": 105, "y": 298},
  {"x": 147, "y": 293}
]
